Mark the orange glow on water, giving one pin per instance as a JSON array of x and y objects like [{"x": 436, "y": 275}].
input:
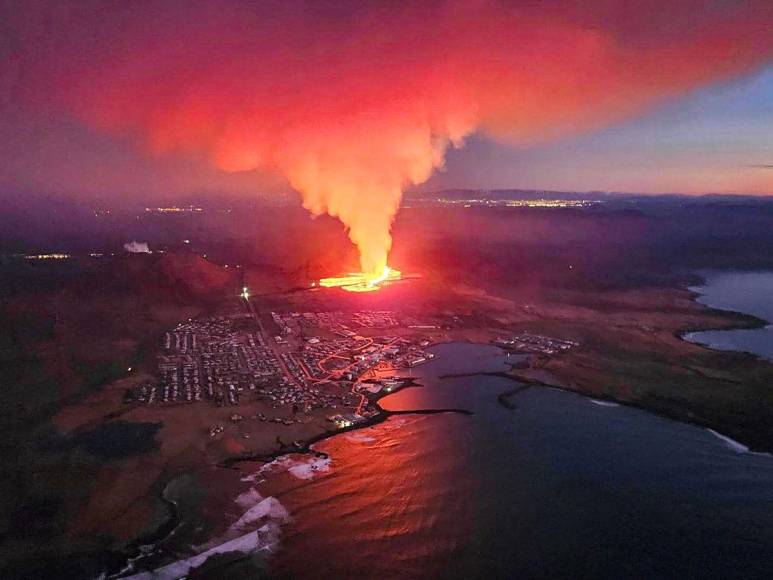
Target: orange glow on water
[{"x": 361, "y": 282}]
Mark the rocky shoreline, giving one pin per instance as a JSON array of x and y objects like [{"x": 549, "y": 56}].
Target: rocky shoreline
[{"x": 133, "y": 550}]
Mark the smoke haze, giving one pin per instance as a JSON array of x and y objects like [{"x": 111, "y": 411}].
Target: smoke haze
[
  {"x": 137, "y": 247},
  {"x": 353, "y": 102}
]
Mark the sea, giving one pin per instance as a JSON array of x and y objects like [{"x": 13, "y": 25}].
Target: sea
[
  {"x": 552, "y": 485},
  {"x": 747, "y": 292},
  {"x": 560, "y": 486}
]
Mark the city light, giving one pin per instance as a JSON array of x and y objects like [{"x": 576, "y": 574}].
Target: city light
[
  {"x": 47, "y": 256},
  {"x": 174, "y": 209},
  {"x": 529, "y": 203}
]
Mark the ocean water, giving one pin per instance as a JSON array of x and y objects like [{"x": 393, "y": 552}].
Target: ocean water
[
  {"x": 747, "y": 292},
  {"x": 558, "y": 487}
]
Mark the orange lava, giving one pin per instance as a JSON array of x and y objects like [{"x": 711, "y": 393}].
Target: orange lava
[{"x": 361, "y": 282}]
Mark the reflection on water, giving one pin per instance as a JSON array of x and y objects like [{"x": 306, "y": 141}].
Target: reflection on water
[
  {"x": 381, "y": 512},
  {"x": 747, "y": 292},
  {"x": 556, "y": 487}
]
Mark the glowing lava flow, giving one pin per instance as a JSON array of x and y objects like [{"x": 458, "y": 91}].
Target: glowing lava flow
[{"x": 360, "y": 282}]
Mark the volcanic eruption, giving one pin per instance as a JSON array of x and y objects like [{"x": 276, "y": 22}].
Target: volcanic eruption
[
  {"x": 352, "y": 102},
  {"x": 362, "y": 281}
]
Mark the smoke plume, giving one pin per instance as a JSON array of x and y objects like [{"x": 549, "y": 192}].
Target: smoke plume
[
  {"x": 353, "y": 102},
  {"x": 137, "y": 247}
]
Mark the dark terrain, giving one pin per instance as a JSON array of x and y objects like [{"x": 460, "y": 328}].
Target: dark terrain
[{"x": 68, "y": 327}]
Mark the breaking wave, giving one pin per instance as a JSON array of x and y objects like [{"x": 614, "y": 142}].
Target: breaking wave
[
  {"x": 730, "y": 443},
  {"x": 302, "y": 468},
  {"x": 266, "y": 513},
  {"x": 360, "y": 437},
  {"x": 604, "y": 403}
]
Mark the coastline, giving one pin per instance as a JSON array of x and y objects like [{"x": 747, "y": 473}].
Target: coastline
[
  {"x": 381, "y": 416},
  {"x": 735, "y": 320},
  {"x": 754, "y": 441},
  {"x": 171, "y": 523},
  {"x": 732, "y": 365},
  {"x": 503, "y": 399},
  {"x": 743, "y": 321}
]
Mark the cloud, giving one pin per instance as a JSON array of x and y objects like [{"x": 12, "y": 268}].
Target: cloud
[
  {"x": 137, "y": 247},
  {"x": 351, "y": 102}
]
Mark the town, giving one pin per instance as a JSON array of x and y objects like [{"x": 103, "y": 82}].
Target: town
[
  {"x": 303, "y": 360},
  {"x": 535, "y": 344}
]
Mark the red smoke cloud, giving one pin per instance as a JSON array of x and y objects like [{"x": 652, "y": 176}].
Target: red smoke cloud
[{"x": 352, "y": 102}]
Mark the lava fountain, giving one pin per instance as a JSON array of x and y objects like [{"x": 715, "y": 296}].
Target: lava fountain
[
  {"x": 351, "y": 102},
  {"x": 362, "y": 282}
]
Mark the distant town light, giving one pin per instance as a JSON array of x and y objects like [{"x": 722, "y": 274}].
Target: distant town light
[
  {"x": 530, "y": 203},
  {"x": 173, "y": 209},
  {"x": 47, "y": 256}
]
